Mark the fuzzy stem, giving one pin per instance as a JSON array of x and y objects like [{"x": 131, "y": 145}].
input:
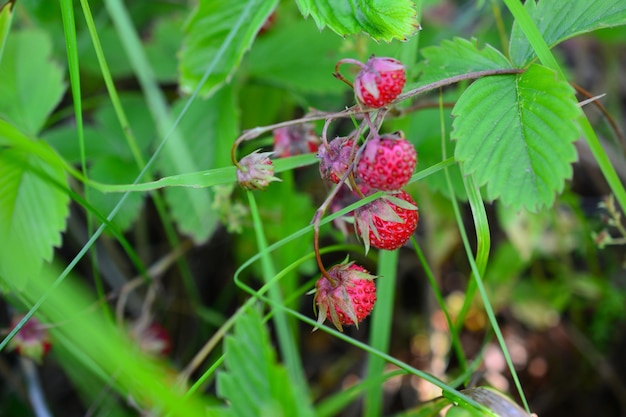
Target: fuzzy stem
[
  {"x": 338, "y": 74},
  {"x": 357, "y": 110}
]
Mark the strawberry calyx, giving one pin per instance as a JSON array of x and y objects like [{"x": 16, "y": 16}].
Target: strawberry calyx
[{"x": 387, "y": 222}]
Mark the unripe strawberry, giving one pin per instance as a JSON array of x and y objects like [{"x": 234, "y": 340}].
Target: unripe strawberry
[
  {"x": 295, "y": 140},
  {"x": 387, "y": 162},
  {"x": 388, "y": 222},
  {"x": 335, "y": 158},
  {"x": 32, "y": 340},
  {"x": 347, "y": 300},
  {"x": 152, "y": 338},
  {"x": 379, "y": 82},
  {"x": 256, "y": 171}
]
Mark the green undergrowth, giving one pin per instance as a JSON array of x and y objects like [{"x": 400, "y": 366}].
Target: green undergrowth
[{"x": 119, "y": 199}]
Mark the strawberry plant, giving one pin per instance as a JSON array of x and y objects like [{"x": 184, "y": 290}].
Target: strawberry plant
[{"x": 180, "y": 183}]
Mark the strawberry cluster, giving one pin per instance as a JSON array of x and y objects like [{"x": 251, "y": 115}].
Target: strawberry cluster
[
  {"x": 356, "y": 166},
  {"x": 383, "y": 163}
]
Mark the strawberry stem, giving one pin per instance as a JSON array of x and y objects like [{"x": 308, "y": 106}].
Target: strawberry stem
[{"x": 337, "y": 74}]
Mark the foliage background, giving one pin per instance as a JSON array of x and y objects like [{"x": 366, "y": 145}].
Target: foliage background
[{"x": 103, "y": 96}]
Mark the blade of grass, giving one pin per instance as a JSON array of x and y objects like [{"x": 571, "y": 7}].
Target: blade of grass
[
  {"x": 71, "y": 46},
  {"x": 380, "y": 331},
  {"x": 285, "y": 337},
  {"x": 479, "y": 264},
  {"x": 456, "y": 342}
]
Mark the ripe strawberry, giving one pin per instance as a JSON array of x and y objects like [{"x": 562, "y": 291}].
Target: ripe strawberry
[
  {"x": 387, "y": 162},
  {"x": 388, "y": 222},
  {"x": 349, "y": 299},
  {"x": 335, "y": 158},
  {"x": 379, "y": 82}
]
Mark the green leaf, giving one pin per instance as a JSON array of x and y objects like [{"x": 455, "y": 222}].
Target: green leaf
[
  {"x": 31, "y": 85},
  {"x": 424, "y": 131},
  {"x": 561, "y": 20},
  {"x": 254, "y": 384},
  {"x": 33, "y": 210},
  {"x": 459, "y": 56},
  {"x": 515, "y": 134},
  {"x": 208, "y": 31},
  {"x": 278, "y": 58},
  {"x": 381, "y": 19},
  {"x": 206, "y": 134}
]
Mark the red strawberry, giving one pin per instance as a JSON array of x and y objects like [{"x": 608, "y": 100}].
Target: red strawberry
[
  {"x": 387, "y": 162},
  {"x": 379, "y": 82},
  {"x": 349, "y": 299},
  {"x": 335, "y": 158},
  {"x": 388, "y": 222},
  {"x": 32, "y": 340},
  {"x": 152, "y": 338}
]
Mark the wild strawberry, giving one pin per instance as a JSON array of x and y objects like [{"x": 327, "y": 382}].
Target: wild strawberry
[
  {"x": 388, "y": 222},
  {"x": 387, "y": 162},
  {"x": 335, "y": 158},
  {"x": 347, "y": 300},
  {"x": 379, "y": 82},
  {"x": 256, "y": 171},
  {"x": 295, "y": 140},
  {"x": 152, "y": 338},
  {"x": 32, "y": 340}
]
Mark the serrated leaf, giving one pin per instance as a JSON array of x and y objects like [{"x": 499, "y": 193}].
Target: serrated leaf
[
  {"x": 31, "y": 85},
  {"x": 561, "y": 20},
  {"x": 33, "y": 211},
  {"x": 254, "y": 384},
  {"x": 208, "y": 29},
  {"x": 459, "y": 56},
  {"x": 515, "y": 133},
  {"x": 206, "y": 134},
  {"x": 384, "y": 20}
]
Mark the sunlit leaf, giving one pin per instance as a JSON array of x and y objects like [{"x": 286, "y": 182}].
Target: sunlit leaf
[
  {"x": 515, "y": 133},
  {"x": 384, "y": 20},
  {"x": 561, "y": 20}
]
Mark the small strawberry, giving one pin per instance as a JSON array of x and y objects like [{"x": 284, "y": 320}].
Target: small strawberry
[
  {"x": 387, "y": 162},
  {"x": 256, "y": 171},
  {"x": 379, "y": 82},
  {"x": 295, "y": 140},
  {"x": 388, "y": 222},
  {"x": 347, "y": 300},
  {"x": 335, "y": 158},
  {"x": 32, "y": 340},
  {"x": 152, "y": 338}
]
